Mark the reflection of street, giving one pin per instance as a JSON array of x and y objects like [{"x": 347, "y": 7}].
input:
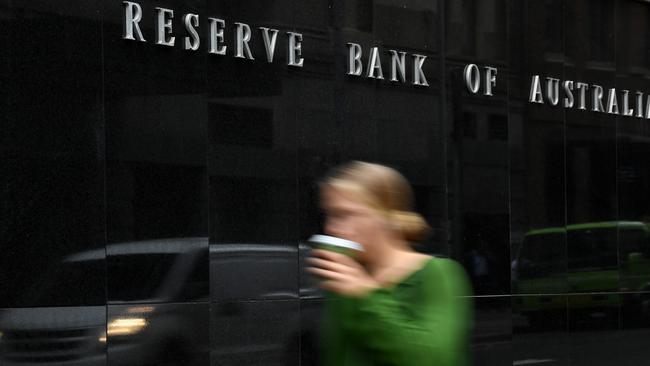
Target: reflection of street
[
  {"x": 594, "y": 348},
  {"x": 503, "y": 338},
  {"x": 492, "y": 336}
]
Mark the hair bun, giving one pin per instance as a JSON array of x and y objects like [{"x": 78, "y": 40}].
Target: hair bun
[{"x": 411, "y": 224}]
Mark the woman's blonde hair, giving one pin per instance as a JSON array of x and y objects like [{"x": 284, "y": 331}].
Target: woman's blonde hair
[{"x": 383, "y": 189}]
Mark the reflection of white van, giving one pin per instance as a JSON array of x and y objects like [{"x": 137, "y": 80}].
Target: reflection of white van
[
  {"x": 148, "y": 319},
  {"x": 159, "y": 313},
  {"x": 271, "y": 310}
]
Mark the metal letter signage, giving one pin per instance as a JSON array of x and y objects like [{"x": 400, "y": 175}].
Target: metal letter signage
[
  {"x": 472, "y": 77},
  {"x": 418, "y": 74},
  {"x": 568, "y": 91},
  {"x": 132, "y": 17},
  {"x": 216, "y": 36},
  {"x": 583, "y": 92},
  {"x": 553, "y": 91},
  {"x": 164, "y": 34},
  {"x": 627, "y": 112},
  {"x": 164, "y": 27},
  {"x": 374, "y": 68},
  {"x": 490, "y": 79},
  {"x": 547, "y": 90},
  {"x": 374, "y": 64},
  {"x": 295, "y": 49},
  {"x": 398, "y": 64},
  {"x": 354, "y": 61},
  {"x": 191, "y": 21},
  {"x": 243, "y": 38},
  {"x": 269, "y": 42},
  {"x": 610, "y": 101}
]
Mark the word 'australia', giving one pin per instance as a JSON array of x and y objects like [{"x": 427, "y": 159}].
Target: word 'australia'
[
  {"x": 164, "y": 30},
  {"x": 599, "y": 100},
  {"x": 374, "y": 69}
]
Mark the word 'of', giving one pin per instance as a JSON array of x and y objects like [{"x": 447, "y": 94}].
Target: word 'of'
[{"x": 472, "y": 77}]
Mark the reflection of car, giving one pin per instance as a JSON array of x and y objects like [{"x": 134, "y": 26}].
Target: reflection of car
[
  {"x": 598, "y": 261},
  {"x": 141, "y": 329},
  {"x": 158, "y": 311},
  {"x": 272, "y": 311}
]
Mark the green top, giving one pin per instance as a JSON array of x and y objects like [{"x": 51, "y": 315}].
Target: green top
[{"x": 423, "y": 320}]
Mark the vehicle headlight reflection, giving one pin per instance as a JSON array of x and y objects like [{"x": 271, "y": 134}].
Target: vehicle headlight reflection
[
  {"x": 102, "y": 338},
  {"x": 125, "y": 326},
  {"x": 131, "y": 322}
]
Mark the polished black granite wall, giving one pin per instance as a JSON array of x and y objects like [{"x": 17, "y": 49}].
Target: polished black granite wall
[{"x": 156, "y": 200}]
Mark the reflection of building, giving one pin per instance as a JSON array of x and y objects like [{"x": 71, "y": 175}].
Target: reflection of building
[
  {"x": 478, "y": 138},
  {"x": 107, "y": 141}
]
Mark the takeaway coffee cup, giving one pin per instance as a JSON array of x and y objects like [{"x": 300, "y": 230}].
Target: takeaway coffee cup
[{"x": 343, "y": 246}]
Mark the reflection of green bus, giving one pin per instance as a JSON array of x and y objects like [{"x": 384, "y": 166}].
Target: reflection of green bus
[{"x": 603, "y": 263}]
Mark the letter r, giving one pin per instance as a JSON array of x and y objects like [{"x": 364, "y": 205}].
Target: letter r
[{"x": 132, "y": 17}]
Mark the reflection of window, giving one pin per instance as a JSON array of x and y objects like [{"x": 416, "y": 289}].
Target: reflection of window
[
  {"x": 553, "y": 35},
  {"x": 196, "y": 286},
  {"x": 646, "y": 55},
  {"x": 542, "y": 255},
  {"x": 469, "y": 125},
  {"x": 359, "y": 14},
  {"x": 498, "y": 127},
  {"x": 241, "y": 125},
  {"x": 632, "y": 241},
  {"x": 592, "y": 249},
  {"x": 251, "y": 209},
  {"x": 138, "y": 276},
  {"x": 601, "y": 36},
  {"x": 252, "y": 272}
]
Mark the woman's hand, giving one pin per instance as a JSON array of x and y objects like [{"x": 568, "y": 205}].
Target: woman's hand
[{"x": 341, "y": 274}]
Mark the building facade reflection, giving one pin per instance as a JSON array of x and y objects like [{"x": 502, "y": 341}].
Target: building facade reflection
[{"x": 157, "y": 199}]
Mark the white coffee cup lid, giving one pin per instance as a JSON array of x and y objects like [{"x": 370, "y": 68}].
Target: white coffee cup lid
[{"x": 337, "y": 242}]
